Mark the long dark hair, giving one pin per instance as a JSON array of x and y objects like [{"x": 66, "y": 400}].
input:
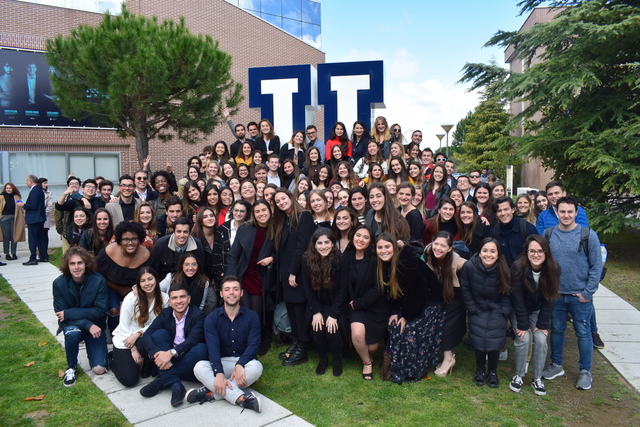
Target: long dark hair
[
  {"x": 504, "y": 274},
  {"x": 141, "y": 308},
  {"x": 549, "y": 273},
  {"x": 279, "y": 216},
  {"x": 199, "y": 278},
  {"x": 467, "y": 230},
  {"x": 434, "y": 221},
  {"x": 404, "y": 173},
  {"x": 432, "y": 179},
  {"x": 198, "y": 227},
  {"x": 487, "y": 209},
  {"x": 87, "y": 224},
  {"x": 394, "y": 286},
  {"x": 337, "y": 234},
  {"x": 443, "y": 272},
  {"x": 392, "y": 220},
  {"x": 319, "y": 266},
  {"x": 98, "y": 243},
  {"x": 344, "y": 139}
]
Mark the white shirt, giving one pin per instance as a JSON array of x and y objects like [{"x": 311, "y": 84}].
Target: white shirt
[{"x": 128, "y": 324}]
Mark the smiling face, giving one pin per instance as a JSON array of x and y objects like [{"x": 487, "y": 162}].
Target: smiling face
[
  {"x": 190, "y": 266},
  {"x": 239, "y": 212},
  {"x": 246, "y": 149},
  {"x": 208, "y": 218},
  {"x": 498, "y": 191},
  {"x": 405, "y": 196},
  {"x": 283, "y": 202},
  {"x": 243, "y": 171},
  {"x": 567, "y": 214},
  {"x": 414, "y": 171},
  {"x": 317, "y": 204},
  {"x": 343, "y": 220},
  {"x": 456, "y": 196},
  {"x": 446, "y": 211},
  {"x": 213, "y": 168},
  {"x": 181, "y": 234},
  {"x": 417, "y": 199},
  {"x": 542, "y": 203},
  {"x": 288, "y": 168},
  {"x": 173, "y": 213},
  {"x": 343, "y": 197},
  {"x": 220, "y": 148},
  {"x": 298, "y": 138},
  {"x": 234, "y": 185},
  {"x": 343, "y": 172},
  {"x": 536, "y": 255},
  {"x": 102, "y": 220},
  {"x": 391, "y": 186},
  {"x": 523, "y": 205},
  {"x": 482, "y": 195},
  {"x": 129, "y": 242},
  {"x": 358, "y": 130},
  {"x": 264, "y": 127},
  {"x": 89, "y": 189},
  {"x": 126, "y": 188},
  {"x": 261, "y": 214},
  {"x": 466, "y": 215},
  {"x": 362, "y": 239},
  {"x": 323, "y": 246},
  {"x": 77, "y": 268},
  {"x": 554, "y": 194},
  {"x": 193, "y": 174},
  {"x": 384, "y": 250},
  {"x": 147, "y": 283},
  {"x": 79, "y": 218},
  {"x": 396, "y": 166},
  {"x": 194, "y": 194},
  {"x": 212, "y": 197},
  {"x": 372, "y": 148},
  {"x": 426, "y": 157},
  {"x": 161, "y": 185},
  {"x": 323, "y": 174},
  {"x": 339, "y": 131},
  {"x": 257, "y": 158},
  {"x": 227, "y": 170},
  {"x": 179, "y": 301},
  {"x": 505, "y": 212},
  {"x": 358, "y": 202},
  {"x": 336, "y": 152},
  {"x": 248, "y": 191},
  {"x": 376, "y": 199},
  {"x": 395, "y": 150},
  {"x": 489, "y": 254},
  {"x": 314, "y": 156},
  {"x": 376, "y": 172},
  {"x": 440, "y": 247},
  {"x": 231, "y": 293},
  {"x": 438, "y": 175},
  {"x": 303, "y": 185}
]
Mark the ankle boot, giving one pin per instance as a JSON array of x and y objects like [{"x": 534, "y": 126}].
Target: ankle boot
[
  {"x": 337, "y": 364},
  {"x": 297, "y": 357},
  {"x": 289, "y": 351},
  {"x": 322, "y": 364}
]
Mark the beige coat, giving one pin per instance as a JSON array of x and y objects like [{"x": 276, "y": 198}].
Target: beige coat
[
  {"x": 18, "y": 222},
  {"x": 456, "y": 265}
]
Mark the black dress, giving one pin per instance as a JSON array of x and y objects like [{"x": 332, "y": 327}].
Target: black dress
[{"x": 370, "y": 307}]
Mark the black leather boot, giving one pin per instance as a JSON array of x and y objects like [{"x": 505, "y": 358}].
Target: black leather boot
[
  {"x": 288, "y": 352},
  {"x": 297, "y": 357}
]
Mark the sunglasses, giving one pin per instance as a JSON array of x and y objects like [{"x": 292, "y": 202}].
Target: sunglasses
[
  {"x": 397, "y": 130},
  {"x": 142, "y": 178}
]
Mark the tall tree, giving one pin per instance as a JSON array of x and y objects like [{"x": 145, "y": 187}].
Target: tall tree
[
  {"x": 145, "y": 78},
  {"x": 587, "y": 89}
]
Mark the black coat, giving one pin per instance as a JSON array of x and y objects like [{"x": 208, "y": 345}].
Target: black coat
[
  {"x": 487, "y": 309},
  {"x": 166, "y": 260},
  {"x": 288, "y": 152},
  {"x": 221, "y": 249},
  {"x": 292, "y": 244},
  {"x": 329, "y": 302},
  {"x": 365, "y": 293},
  {"x": 512, "y": 236},
  {"x": 525, "y": 302},
  {"x": 193, "y": 330}
]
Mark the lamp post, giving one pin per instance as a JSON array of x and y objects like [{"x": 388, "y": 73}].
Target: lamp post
[
  {"x": 447, "y": 128},
  {"x": 440, "y": 136}
]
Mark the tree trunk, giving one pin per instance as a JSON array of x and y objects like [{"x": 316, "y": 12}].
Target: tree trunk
[{"x": 142, "y": 147}]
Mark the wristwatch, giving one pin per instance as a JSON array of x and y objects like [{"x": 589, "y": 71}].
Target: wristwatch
[{"x": 174, "y": 353}]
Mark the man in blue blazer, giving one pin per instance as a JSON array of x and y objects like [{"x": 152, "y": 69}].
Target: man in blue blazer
[{"x": 34, "y": 218}]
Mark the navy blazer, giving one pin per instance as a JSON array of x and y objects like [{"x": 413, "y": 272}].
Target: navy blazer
[
  {"x": 90, "y": 308},
  {"x": 193, "y": 330},
  {"x": 34, "y": 207}
]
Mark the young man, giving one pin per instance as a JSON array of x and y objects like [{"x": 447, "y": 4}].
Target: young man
[
  {"x": 260, "y": 172},
  {"x": 168, "y": 250},
  {"x": 474, "y": 179},
  {"x": 252, "y": 128},
  {"x": 143, "y": 189},
  {"x": 427, "y": 161},
  {"x": 105, "y": 188},
  {"x": 450, "y": 166},
  {"x": 510, "y": 230},
  {"x": 548, "y": 218},
  {"x": 464, "y": 185},
  {"x": 234, "y": 148},
  {"x": 312, "y": 136},
  {"x": 172, "y": 211},
  {"x": 232, "y": 333},
  {"x": 125, "y": 208},
  {"x": 580, "y": 270},
  {"x": 80, "y": 304},
  {"x": 35, "y": 216},
  {"x": 175, "y": 343},
  {"x": 273, "y": 176},
  {"x": 416, "y": 137}
]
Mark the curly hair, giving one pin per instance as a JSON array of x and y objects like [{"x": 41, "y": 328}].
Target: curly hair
[{"x": 88, "y": 258}]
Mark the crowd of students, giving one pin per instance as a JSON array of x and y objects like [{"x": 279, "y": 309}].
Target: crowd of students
[{"x": 364, "y": 239}]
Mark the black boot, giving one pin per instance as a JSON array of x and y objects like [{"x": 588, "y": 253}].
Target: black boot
[
  {"x": 322, "y": 364},
  {"x": 337, "y": 364},
  {"x": 479, "y": 378},
  {"x": 288, "y": 352},
  {"x": 297, "y": 357}
]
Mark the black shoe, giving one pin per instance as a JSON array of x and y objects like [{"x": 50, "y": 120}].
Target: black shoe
[
  {"x": 14, "y": 257},
  {"x": 337, "y": 366},
  {"x": 297, "y": 357},
  {"x": 177, "y": 394},
  {"x": 34, "y": 262},
  {"x": 288, "y": 352},
  {"x": 41, "y": 259},
  {"x": 597, "y": 341},
  {"x": 479, "y": 378},
  {"x": 2, "y": 263},
  {"x": 147, "y": 368},
  {"x": 322, "y": 365},
  {"x": 201, "y": 395},
  {"x": 152, "y": 388},
  {"x": 250, "y": 401},
  {"x": 492, "y": 379}
]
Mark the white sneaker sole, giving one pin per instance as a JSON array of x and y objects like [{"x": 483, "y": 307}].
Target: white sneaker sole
[{"x": 559, "y": 374}]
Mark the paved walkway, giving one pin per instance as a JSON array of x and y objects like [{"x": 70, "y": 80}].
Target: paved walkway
[{"x": 33, "y": 286}]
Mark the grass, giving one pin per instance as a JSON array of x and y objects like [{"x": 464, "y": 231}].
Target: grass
[
  {"x": 21, "y": 335},
  {"x": 623, "y": 269}
]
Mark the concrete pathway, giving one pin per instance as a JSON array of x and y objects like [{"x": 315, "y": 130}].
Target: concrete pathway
[{"x": 33, "y": 286}]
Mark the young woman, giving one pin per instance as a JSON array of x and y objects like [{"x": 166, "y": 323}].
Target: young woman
[
  {"x": 192, "y": 199},
  {"x": 225, "y": 236},
  {"x": 146, "y": 216},
  {"x": 244, "y": 172},
  {"x": 375, "y": 174},
  {"x": 324, "y": 177},
  {"x": 268, "y": 138},
  {"x": 368, "y": 309},
  {"x": 446, "y": 264},
  {"x": 415, "y": 295},
  {"x": 406, "y": 192},
  {"x": 373, "y": 155},
  {"x": 340, "y": 138},
  {"x": 221, "y": 152},
  {"x": 202, "y": 184},
  {"x": 483, "y": 200},
  {"x": 11, "y": 220},
  {"x": 413, "y": 154},
  {"x": 541, "y": 202},
  {"x": 359, "y": 140},
  {"x": 293, "y": 227},
  {"x": 485, "y": 288},
  {"x": 396, "y": 150},
  {"x": 303, "y": 198},
  {"x": 328, "y": 193},
  {"x": 358, "y": 201},
  {"x": 345, "y": 175},
  {"x": 249, "y": 260},
  {"x": 101, "y": 232},
  {"x": 304, "y": 184},
  {"x": 312, "y": 163},
  {"x": 418, "y": 201},
  {"x": 457, "y": 196},
  {"x": 472, "y": 229},
  {"x": 258, "y": 158},
  {"x": 436, "y": 188},
  {"x": 245, "y": 154},
  {"x": 318, "y": 205},
  {"x": 497, "y": 190},
  {"x": 191, "y": 276},
  {"x": 226, "y": 200},
  {"x": 193, "y": 173},
  {"x": 535, "y": 277},
  {"x": 415, "y": 173},
  {"x": 392, "y": 187},
  {"x": 213, "y": 170},
  {"x": 337, "y": 156},
  {"x": 211, "y": 199},
  {"x": 234, "y": 185},
  {"x": 444, "y": 220},
  {"x": 344, "y": 223},
  {"x": 260, "y": 185},
  {"x": 205, "y": 230},
  {"x": 229, "y": 171},
  {"x": 295, "y": 149},
  {"x": 324, "y": 279},
  {"x": 82, "y": 222},
  {"x": 397, "y": 170},
  {"x": 396, "y": 134},
  {"x": 383, "y": 217},
  {"x": 343, "y": 197},
  {"x": 248, "y": 191},
  {"x": 381, "y": 134},
  {"x": 139, "y": 310},
  {"x": 524, "y": 208}
]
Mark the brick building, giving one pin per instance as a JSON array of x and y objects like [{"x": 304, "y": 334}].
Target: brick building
[{"x": 53, "y": 152}]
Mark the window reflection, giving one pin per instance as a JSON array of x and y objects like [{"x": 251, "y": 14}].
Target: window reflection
[
  {"x": 292, "y": 9},
  {"x": 292, "y": 27},
  {"x": 311, "y": 12},
  {"x": 272, "y": 7},
  {"x": 275, "y": 20}
]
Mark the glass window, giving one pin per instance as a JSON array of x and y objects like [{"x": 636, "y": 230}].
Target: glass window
[
  {"x": 49, "y": 165},
  {"x": 292, "y": 27},
  {"x": 248, "y": 4},
  {"x": 311, "y": 12},
  {"x": 311, "y": 34},
  {"x": 275, "y": 20},
  {"x": 82, "y": 165},
  {"x": 292, "y": 9},
  {"x": 108, "y": 166},
  {"x": 273, "y": 7}
]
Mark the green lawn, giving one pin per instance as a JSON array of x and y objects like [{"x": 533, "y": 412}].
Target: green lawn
[{"x": 623, "y": 268}]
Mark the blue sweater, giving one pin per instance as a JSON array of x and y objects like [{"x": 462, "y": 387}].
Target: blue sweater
[
  {"x": 578, "y": 273},
  {"x": 549, "y": 218}
]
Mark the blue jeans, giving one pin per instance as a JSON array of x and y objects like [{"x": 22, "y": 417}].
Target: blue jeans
[
  {"x": 581, "y": 313},
  {"x": 182, "y": 368},
  {"x": 96, "y": 347}
]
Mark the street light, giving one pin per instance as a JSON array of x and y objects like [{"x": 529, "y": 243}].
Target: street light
[
  {"x": 447, "y": 128},
  {"x": 440, "y": 136}
]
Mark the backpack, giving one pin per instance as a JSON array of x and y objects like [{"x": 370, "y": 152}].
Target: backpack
[
  {"x": 582, "y": 247},
  {"x": 281, "y": 323},
  {"x": 461, "y": 248}
]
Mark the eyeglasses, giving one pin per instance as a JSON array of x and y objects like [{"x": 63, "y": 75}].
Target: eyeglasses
[
  {"x": 90, "y": 187},
  {"x": 129, "y": 241},
  {"x": 127, "y": 185},
  {"x": 534, "y": 252},
  {"x": 141, "y": 178},
  {"x": 312, "y": 133}
]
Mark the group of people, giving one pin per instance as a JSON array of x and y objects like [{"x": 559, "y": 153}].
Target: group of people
[{"x": 364, "y": 241}]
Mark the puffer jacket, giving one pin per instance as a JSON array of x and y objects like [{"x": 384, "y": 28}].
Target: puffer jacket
[{"x": 488, "y": 310}]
